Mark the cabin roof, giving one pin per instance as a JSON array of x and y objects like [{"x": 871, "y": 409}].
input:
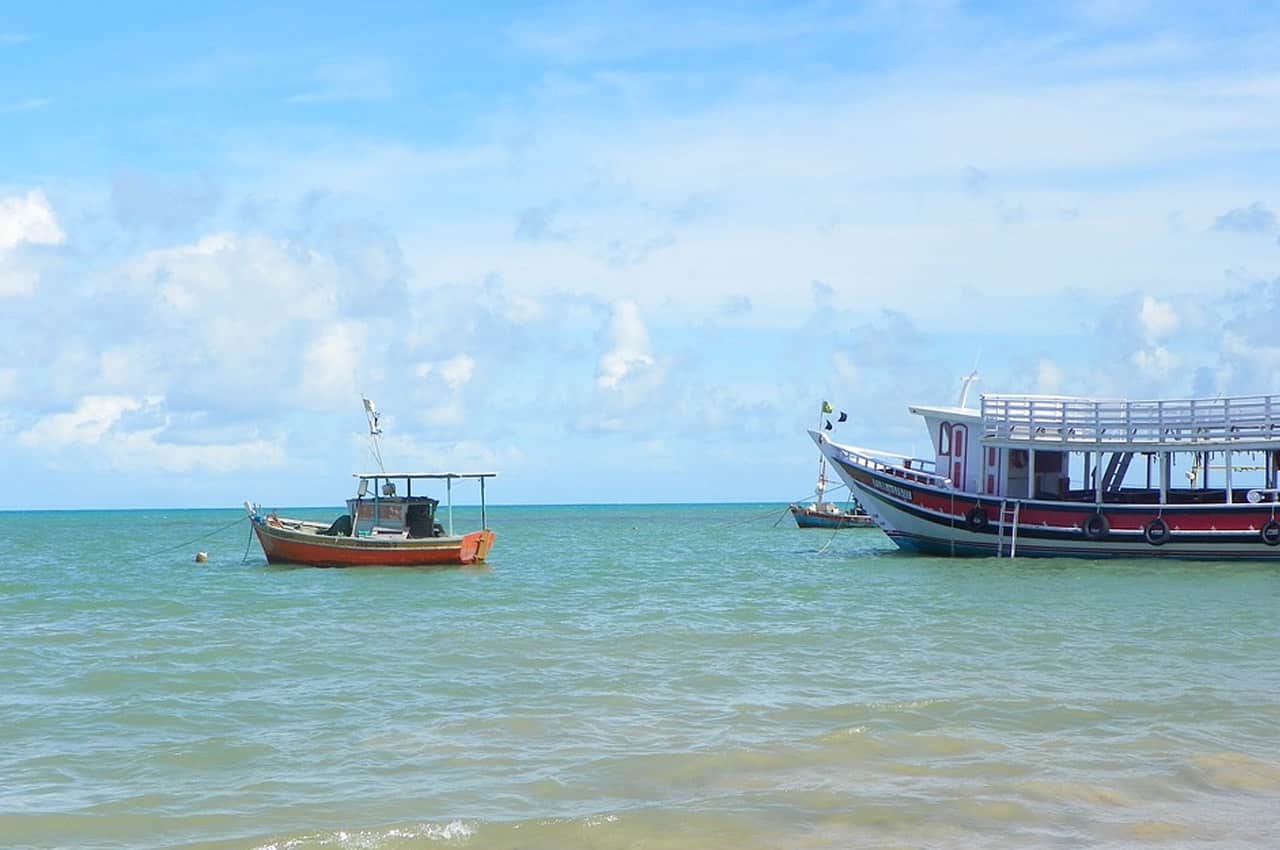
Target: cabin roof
[
  {"x": 1245, "y": 423},
  {"x": 420, "y": 475},
  {"x": 970, "y": 413}
]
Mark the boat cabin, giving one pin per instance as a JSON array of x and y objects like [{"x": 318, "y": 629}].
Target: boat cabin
[
  {"x": 385, "y": 504},
  {"x": 1054, "y": 448}
]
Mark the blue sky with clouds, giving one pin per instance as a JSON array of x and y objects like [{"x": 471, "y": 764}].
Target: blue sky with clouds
[{"x": 617, "y": 253}]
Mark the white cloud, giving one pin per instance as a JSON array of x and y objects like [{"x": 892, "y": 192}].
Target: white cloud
[
  {"x": 334, "y": 362},
  {"x": 28, "y": 219},
  {"x": 97, "y": 423},
  {"x": 443, "y": 405},
  {"x": 630, "y": 346},
  {"x": 86, "y": 425},
  {"x": 456, "y": 371},
  {"x": 24, "y": 220},
  {"x": 1156, "y": 364},
  {"x": 1157, "y": 318}
]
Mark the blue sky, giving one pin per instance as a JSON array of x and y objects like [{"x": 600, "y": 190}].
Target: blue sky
[{"x": 616, "y": 254}]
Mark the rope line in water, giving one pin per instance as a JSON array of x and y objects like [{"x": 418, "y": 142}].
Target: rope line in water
[
  {"x": 832, "y": 539},
  {"x": 201, "y": 537},
  {"x": 247, "y": 544}
]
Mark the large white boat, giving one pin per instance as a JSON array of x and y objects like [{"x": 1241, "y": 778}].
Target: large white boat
[{"x": 1041, "y": 475}]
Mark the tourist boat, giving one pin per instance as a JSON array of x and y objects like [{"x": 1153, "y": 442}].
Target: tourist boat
[
  {"x": 381, "y": 526},
  {"x": 1059, "y": 476}
]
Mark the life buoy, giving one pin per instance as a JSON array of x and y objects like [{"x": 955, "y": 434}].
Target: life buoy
[
  {"x": 1096, "y": 527},
  {"x": 1271, "y": 533},
  {"x": 976, "y": 519},
  {"x": 1156, "y": 532}
]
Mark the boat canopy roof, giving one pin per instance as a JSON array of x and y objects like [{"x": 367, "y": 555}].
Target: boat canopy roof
[
  {"x": 1241, "y": 423},
  {"x": 419, "y": 475}
]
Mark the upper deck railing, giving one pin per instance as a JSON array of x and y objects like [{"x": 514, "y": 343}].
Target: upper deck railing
[{"x": 1241, "y": 422}]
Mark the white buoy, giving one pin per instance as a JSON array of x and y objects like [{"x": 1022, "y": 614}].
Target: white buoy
[{"x": 202, "y": 557}]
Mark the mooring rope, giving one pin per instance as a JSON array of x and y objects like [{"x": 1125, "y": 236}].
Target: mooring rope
[
  {"x": 832, "y": 539},
  {"x": 198, "y": 539},
  {"x": 247, "y": 544}
]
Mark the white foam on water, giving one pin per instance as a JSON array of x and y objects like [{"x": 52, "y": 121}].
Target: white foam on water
[{"x": 374, "y": 839}]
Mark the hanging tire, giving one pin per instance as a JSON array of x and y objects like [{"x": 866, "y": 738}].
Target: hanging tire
[
  {"x": 1156, "y": 532},
  {"x": 1271, "y": 533},
  {"x": 976, "y": 519},
  {"x": 1096, "y": 527}
]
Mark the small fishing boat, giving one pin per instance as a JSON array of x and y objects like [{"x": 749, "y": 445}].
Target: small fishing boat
[
  {"x": 828, "y": 515},
  {"x": 382, "y": 526},
  {"x": 1042, "y": 475},
  {"x": 823, "y": 514}
]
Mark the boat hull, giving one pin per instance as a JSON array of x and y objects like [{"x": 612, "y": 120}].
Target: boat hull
[
  {"x": 921, "y": 516},
  {"x": 283, "y": 545},
  {"x": 810, "y": 518}
]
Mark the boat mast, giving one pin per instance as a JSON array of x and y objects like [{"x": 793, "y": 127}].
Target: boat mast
[
  {"x": 822, "y": 461},
  {"x": 371, "y": 413}
]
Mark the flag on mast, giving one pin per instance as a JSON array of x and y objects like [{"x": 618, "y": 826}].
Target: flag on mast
[{"x": 827, "y": 408}]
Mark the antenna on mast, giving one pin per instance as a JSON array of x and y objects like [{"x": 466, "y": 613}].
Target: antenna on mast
[
  {"x": 969, "y": 380},
  {"x": 371, "y": 413}
]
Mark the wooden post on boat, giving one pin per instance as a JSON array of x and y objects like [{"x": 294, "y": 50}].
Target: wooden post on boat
[
  {"x": 1031, "y": 474},
  {"x": 448, "y": 487},
  {"x": 483, "y": 522},
  {"x": 1097, "y": 480},
  {"x": 1165, "y": 465},
  {"x": 1228, "y": 456}
]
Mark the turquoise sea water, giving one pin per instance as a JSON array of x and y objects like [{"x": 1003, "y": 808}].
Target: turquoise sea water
[{"x": 618, "y": 677}]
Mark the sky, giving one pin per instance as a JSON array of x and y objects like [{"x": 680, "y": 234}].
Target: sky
[{"x": 613, "y": 252}]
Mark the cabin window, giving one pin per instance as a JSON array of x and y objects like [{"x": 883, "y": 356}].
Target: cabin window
[{"x": 944, "y": 438}]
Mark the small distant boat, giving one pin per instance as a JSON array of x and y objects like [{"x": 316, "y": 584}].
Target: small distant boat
[
  {"x": 381, "y": 527},
  {"x": 823, "y": 514},
  {"x": 827, "y": 515}
]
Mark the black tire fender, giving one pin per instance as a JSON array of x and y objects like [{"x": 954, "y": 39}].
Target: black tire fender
[
  {"x": 1096, "y": 527},
  {"x": 1156, "y": 532},
  {"x": 976, "y": 519},
  {"x": 1271, "y": 532}
]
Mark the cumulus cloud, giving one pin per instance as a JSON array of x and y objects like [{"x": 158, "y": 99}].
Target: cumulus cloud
[
  {"x": 25, "y": 220},
  {"x": 1156, "y": 318},
  {"x": 629, "y": 353},
  {"x": 332, "y": 362},
  {"x": 1156, "y": 363},
  {"x": 100, "y": 423},
  {"x": 28, "y": 219}
]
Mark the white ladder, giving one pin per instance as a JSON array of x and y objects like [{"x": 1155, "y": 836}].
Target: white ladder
[{"x": 1008, "y": 514}]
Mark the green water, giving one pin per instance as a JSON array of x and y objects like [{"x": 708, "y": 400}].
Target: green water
[{"x": 616, "y": 677}]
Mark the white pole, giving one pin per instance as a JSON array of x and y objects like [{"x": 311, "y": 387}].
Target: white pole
[{"x": 448, "y": 486}]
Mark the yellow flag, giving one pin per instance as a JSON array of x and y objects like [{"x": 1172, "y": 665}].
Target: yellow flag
[{"x": 827, "y": 408}]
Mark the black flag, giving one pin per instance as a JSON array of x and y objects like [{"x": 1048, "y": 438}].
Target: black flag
[
  {"x": 843, "y": 416},
  {"x": 828, "y": 428}
]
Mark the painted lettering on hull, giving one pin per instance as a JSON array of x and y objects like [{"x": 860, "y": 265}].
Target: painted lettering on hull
[{"x": 892, "y": 489}]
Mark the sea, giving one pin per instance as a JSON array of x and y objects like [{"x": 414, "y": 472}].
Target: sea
[{"x": 625, "y": 676}]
